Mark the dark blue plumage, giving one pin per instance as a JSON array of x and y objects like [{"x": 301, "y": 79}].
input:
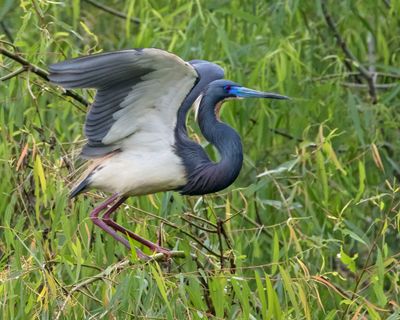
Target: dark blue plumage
[{"x": 203, "y": 175}]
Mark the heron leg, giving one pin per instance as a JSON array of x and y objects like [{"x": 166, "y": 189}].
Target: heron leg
[
  {"x": 111, "y": 223},
  {"x": 94, "y": 216}
]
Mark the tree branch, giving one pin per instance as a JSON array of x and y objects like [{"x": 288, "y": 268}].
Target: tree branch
[
  {"x": 349, "y": 55},
  {"x": 286, "y": 135},
  {"x": 112, "y": 11},
  {"x": 13, "y": 74},
  {"x": 41, "y": 73}
]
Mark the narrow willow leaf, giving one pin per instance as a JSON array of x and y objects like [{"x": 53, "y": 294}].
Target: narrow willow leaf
[
  {"x": 361, "y": 179},
  {"x": 40, "y": 172},
  {"x": 355, "y": 117},
  {"x": 348, "y": 261},
  {"x": 376, "y": 156},
  {"x": 378, "y": 280},
  {"x": 290, "y": 291},
  {"x": 158, "y": 276},
  {"x": 322, "y": 174},
  {"x": 194, "y": 289},
  {"x": 353, "y": 235},
  {"x": 75, "y": 12},
  {"x": 262, "y": 297},
  {"x": 327, "y": 147},
  {"x": 228, "y": 217},
  {"x": 304, "y": 301},
  {"x": 274, "y": 306},
  {"x": 217, "y": 292},
  {"x": 275, "y": 253}
]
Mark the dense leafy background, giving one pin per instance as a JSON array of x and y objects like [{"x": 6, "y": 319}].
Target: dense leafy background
[{"x": 315, "y": 237}]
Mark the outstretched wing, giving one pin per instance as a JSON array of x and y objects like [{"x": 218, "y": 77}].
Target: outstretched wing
[{"x": 138, "y": 92}]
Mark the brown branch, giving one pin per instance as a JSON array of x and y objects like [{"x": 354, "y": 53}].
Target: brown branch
[
  {"x": 112, "y": 11},
  {"x": 347, "y": 74},
  {"x": 41, "y": 73},
  {"x": 200, "y": 219},
  {"x": 286, "y": 135},
  {"x": 198, "y": 226},
  {"x": 349, "y": 55},
  {"x": 382, "y": 86},
  {"x": 221, "y": 247},
  {"x": 13, "y": 74},
  {"x": 230, "y": 247}
]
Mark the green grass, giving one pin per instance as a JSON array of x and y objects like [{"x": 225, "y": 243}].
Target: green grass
[{"x": 315, "y": 236}]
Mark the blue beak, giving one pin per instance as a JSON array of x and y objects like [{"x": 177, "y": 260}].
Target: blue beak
[{"x": 243, "y": 92}]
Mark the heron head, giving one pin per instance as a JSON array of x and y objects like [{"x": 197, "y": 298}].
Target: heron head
[
  {"x": 234, "y": 90},
  {"x": 222, "y": 90}
]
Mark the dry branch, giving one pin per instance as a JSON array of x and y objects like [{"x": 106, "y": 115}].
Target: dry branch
[
  {"x": 112, "y": 11},
  {"x": 38, "y": 71},
  {"x": 369, "y": 77}
]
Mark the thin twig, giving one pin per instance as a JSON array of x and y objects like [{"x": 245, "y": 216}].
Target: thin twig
[
  {"x": 167, "y": 222},
  {"x": 221, "y": 247},
  {"x": 112, "y": 11},
  {"x": 230, "y": 247},
  {"x": 13, "y": 74},
  {"x": 7, "y": 43},
  {"x": 262, "y": 228},
  {"x": 381, "y": 86},
  {"x": 286, "y": 135},
  {"x": 347, "y": 74},
  {"x": 41, "y": 73},
  {"x": 201, "y": 219},
  {"x": 348, "y": 54},
  {"x": 7, "y": 32},
  {"x": 197, "y": 226}
]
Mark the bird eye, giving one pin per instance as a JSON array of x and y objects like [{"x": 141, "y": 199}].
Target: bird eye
[{"x": 227, "y": 88}]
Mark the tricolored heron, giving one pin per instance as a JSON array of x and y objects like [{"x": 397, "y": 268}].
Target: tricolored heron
[{"x": 136, "y": 127}]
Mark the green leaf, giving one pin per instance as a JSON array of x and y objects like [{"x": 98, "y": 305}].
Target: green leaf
[
  {"x": 261, "y": 295},
  {"x": 361, "y": 178},
  {"x": 158, "y": 276},
  {"x": 290, "y": 291},
  {"x": 275, "y": 253},
  {"x": 274, "y": 307},
  {"x": 378, "y": 280},
  {"x": 348, "y": 261}
]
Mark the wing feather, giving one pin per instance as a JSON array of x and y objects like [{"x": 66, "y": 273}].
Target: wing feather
[{"x": 137, "y": 91}]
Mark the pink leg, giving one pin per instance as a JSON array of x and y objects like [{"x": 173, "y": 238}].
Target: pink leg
[
  {"x": 94, "y": 216},
  {"x": 106, "y": 218}
]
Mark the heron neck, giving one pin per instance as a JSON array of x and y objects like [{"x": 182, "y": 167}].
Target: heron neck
[
  {"x": 205, "y": 176},
  {"x": 223, "y": 137}
]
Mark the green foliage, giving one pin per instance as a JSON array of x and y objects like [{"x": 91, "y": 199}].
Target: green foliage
[{"x": 311, "y": 226}]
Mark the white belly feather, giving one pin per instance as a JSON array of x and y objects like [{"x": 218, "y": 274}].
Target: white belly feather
[{"x": 150, "y": 166}]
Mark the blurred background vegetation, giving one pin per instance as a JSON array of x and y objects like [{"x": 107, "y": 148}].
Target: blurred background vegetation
[{"x": 311, "y": 226}]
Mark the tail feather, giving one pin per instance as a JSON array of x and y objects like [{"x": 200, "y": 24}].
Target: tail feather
[{"x": 82, "y": 186}]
